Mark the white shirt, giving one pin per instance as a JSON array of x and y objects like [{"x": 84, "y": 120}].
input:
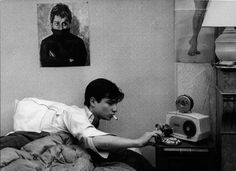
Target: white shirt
[{"x": 38, "y": 115}]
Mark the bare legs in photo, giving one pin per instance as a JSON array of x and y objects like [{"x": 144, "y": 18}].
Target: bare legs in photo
[{"x": 200, "y": 9}]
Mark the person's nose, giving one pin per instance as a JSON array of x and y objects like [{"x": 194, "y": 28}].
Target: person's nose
[
  {"x": 60, "y": 27},
  {"x": 114, "y": 108}
]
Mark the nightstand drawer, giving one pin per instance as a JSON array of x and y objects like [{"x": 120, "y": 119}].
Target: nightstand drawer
[
  {"x": 187, "y": 156},
  {"x": 226, "y": 81}
]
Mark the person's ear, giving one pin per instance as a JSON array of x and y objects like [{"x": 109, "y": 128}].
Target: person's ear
[{"x": 93, "y": 101}]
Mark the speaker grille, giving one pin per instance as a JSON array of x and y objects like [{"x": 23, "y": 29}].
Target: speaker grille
[{"x": 189, "y": 128}]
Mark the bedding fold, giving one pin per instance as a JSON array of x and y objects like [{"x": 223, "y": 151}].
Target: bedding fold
[
  {"x": 20, "y": 138},
  {"x": 55, "y": 152}
]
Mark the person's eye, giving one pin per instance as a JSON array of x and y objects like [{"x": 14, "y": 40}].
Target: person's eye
[
  {"x": 111, "y": 102},
  {"x": 64, "y": 24}
]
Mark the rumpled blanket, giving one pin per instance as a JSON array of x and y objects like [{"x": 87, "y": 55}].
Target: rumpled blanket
[
  {"x": 56, "y": 152},
  {"x": 20, "y": 138}
]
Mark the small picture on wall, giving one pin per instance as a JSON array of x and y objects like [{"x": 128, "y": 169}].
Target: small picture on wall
[
  {"x": 63, "y": 34},
  {"x": 193, "y": 43}
]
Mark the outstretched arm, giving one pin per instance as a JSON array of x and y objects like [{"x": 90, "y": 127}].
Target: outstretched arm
[{"x": 109, "y": 142}]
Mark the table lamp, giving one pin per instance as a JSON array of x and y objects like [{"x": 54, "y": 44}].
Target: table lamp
[{"x": 222, "y": 13}]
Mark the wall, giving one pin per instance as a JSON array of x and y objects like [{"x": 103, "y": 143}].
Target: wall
[
  {"x": 131, "y": 43},
  {"x": 198, "y": 81}
]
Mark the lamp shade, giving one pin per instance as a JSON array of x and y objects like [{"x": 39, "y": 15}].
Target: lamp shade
[{"x": 220, "y": 13}]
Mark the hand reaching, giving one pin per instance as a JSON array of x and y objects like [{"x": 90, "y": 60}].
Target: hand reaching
[{"x": 146, "y": 138}]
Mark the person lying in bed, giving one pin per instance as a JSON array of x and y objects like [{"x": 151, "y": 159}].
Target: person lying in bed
[{"x": 101, "y": 99}]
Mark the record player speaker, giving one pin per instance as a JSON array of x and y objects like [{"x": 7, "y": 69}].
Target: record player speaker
[{"x": 189, "y": 126}]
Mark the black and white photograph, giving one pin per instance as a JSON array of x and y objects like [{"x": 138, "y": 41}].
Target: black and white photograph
[
  {"x": 118, "y": 85},
  {"x": 194, "y": 43}
]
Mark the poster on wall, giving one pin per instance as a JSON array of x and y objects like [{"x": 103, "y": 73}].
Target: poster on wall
[
  {"x": 63, "y": 34},
  {"x": 193, "y": 43}
]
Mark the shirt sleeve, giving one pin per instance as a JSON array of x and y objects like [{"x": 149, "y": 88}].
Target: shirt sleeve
[{"x": 79, "y": 126}]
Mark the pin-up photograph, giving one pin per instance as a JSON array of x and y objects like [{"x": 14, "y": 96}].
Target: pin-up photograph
[{"x": 194, "y": 43}]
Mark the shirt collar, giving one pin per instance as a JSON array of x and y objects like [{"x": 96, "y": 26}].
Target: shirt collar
[{"x": 89, "y": 114}]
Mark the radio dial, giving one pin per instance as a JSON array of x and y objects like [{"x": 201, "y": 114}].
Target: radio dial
[{"x": 189, "y": 128}]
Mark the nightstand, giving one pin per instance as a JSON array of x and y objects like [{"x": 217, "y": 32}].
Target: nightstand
[
  {"x": 187, "y": 156},
  {"x": 226, "y": 116}
]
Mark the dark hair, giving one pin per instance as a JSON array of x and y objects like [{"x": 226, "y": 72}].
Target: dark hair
[
  {"x": 61, "y": 10},
  {"x": 102, "y": 88}
]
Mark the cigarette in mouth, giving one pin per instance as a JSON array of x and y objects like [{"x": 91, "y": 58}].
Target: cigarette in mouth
[{"x": 114, "y": 116}]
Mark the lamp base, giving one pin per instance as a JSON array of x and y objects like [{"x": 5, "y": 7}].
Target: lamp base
[{"x": 225, "y": 45}]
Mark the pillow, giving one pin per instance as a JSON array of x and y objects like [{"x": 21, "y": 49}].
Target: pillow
[{"x": 30, "y": 112}]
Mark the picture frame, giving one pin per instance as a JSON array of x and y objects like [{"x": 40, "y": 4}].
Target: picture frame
[{"x": 74, "y": 49}]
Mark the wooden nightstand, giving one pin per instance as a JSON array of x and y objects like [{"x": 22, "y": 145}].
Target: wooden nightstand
[
  {"x": 187, "y": 156},
  {"x": 226, "y": 116}
]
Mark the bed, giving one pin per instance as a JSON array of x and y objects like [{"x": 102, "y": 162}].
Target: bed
[
  {"x": 53, "y": 152},
  {"x": 28, "y": 149}
]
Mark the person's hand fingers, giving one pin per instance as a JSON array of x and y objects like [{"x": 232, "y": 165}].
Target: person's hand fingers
[
  {"x": 148, "y": 136},
  {"x": 157, "y": 133},
  {"x": 152, "y": 134},
  {"x": 151, "y": 143}
]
